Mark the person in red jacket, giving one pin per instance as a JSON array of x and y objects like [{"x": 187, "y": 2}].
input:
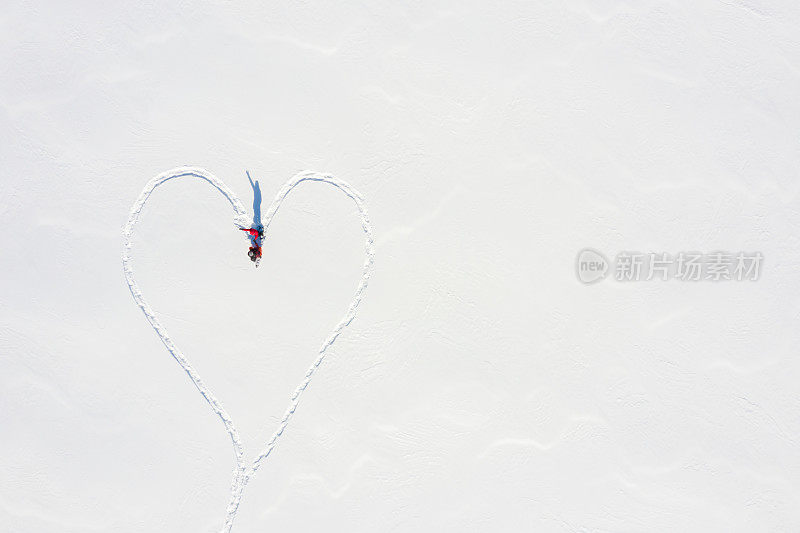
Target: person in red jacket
[{"x": 254, "y": 253}]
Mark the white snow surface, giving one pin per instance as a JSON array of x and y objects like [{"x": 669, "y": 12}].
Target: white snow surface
[{"x": 480, "y": 387}]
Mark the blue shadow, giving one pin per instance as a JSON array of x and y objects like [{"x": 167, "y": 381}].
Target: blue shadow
[{"x": 256, "y": 202}]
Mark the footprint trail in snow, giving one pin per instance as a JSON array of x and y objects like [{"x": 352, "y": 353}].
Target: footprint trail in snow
[{"x": 244, "y": 471}]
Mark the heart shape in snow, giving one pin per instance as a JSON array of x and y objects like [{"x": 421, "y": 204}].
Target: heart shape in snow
[{"x": 244, "y": 471}]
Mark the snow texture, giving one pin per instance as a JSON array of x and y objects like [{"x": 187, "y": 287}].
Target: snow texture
[{"x": 481, "y": 387}]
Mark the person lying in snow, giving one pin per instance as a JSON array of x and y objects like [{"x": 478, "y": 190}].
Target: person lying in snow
[{"x": 254, "y": 253}]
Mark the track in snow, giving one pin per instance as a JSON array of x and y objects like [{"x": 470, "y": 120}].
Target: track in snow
[{"x": 244, "y": 471}]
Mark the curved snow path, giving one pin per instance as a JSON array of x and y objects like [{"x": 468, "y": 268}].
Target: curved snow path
[{"x": 243, "y": 471}]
